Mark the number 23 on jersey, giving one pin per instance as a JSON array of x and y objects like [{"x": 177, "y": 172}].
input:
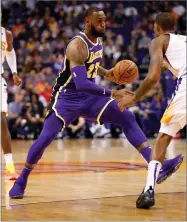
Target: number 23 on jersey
[{"x": 92, "y": 71}]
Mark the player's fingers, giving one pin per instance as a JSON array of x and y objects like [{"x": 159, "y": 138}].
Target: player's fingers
[
  {"x": 128, "y": 92},
  {"x": 120, "y": 105}
]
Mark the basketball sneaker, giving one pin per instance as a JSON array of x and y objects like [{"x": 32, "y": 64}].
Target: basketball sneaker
[
  {"x": 17, "y": 191},
  {"x": 10, "y": 173},
  {"x": 146, "y": 200},
  {"x": 169, "y": 167}
]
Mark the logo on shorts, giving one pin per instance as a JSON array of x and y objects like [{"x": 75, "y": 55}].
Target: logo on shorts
[{"x": 74, "y": 74}]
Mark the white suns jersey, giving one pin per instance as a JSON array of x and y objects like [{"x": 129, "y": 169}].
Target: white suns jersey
[
  {"x": 3, "y": 47},
  {"x": 176, "y": 53}
]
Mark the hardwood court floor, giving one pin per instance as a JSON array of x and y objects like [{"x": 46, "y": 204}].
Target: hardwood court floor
[{"x": 93, "y": 180}]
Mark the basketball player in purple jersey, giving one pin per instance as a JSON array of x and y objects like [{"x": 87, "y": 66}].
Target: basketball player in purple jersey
[{"x": 76, "y": 94}]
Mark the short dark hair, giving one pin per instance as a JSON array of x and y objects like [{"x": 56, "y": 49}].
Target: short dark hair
[
  {"x": 91, "y": 10},
  {"x": 166, "y": 21}
]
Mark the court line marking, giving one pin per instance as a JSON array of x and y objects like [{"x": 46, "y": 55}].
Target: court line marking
[{"x": 94, "y": 198}]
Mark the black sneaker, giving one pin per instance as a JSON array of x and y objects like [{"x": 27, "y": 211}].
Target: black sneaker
[{"x": 146, "y": 200}]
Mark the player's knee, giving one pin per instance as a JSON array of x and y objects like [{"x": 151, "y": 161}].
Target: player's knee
[
  {"x": 48, "y": 136},
  {"x": 3, "y": 120},
  {"x": 128, "y": 117},
  {"x": 164, "y": 136}
]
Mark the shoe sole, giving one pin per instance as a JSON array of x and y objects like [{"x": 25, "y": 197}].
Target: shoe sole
[
  {"x": 146, "y": 205},
  {"x": 171, "y": 172}
]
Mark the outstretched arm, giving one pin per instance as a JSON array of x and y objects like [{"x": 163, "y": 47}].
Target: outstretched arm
[
  {"x": 156, "y": 60},
  {"x": 155, "y": 67}
]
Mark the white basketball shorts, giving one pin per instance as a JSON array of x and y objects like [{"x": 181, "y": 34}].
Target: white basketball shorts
[
  {"x": 174, "y": 117},
  {"x": 4, "y": 95}
]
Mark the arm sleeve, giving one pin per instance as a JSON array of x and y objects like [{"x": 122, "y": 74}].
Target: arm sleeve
[
  {"x": 11, "y": 60},
  {"x": 79, "y": 75}
]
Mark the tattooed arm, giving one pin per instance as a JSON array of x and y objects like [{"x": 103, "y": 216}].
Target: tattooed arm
[
  {"x": 77, "y": 53},
  {"x": 155, "y": 67},
  {"x": 104, "y": 72}
]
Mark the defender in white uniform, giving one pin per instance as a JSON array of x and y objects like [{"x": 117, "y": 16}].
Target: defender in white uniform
[
  {"x": 174, "y": 117},
  {"x": 173, "y": 48},
  {"x": 8, "y": 53}
]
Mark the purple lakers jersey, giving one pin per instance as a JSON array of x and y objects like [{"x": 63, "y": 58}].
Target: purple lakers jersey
[{"x": 95, "y": 53}]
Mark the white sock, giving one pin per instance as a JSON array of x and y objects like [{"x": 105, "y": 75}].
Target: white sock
[
  {"x": 8, "y": 158},
  {"x": 154, "y": 167}
]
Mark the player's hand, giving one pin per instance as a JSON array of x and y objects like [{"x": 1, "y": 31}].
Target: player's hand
[
  {"x": 166, "y": 65},
  {"x": 17, "y": 79},
  {"x": 110, "y": 74},
  {"x": 119, "y": 94},
  {"x": 74, "y": 129},
  {"x": 126, "y": 101}
]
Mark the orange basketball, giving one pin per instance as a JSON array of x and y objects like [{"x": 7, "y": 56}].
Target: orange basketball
[{"x": 125, "y": 72}]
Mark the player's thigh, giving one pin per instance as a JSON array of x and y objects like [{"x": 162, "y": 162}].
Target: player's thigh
[
  {"x": 94, "y": 107},
  {"x": 170, "y": 128},
  {"x": 176, "y": 111},
  {"x": 112, "y": 114},
  {"x": 66, "y": 107},
  {"x": 104, "y": 109},
  {"x": 4, "y": 125}
]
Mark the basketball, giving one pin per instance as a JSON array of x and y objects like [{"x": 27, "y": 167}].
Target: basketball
[{"x": 125, "y": 72}]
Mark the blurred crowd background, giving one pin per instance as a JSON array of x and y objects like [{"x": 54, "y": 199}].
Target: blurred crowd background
[{"x": 41, "y": 31}]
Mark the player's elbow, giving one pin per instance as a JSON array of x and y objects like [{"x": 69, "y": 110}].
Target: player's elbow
[{"x": 79, "y": 86}]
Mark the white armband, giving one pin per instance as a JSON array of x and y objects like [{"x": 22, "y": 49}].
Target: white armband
[{"x": 11, "y": 60}]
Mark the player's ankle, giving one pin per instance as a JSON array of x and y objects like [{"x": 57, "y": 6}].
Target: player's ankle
[{"x": 8, "y": 158}]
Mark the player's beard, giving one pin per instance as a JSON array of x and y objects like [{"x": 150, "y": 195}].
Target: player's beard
[{"x": 95, "y": 32}]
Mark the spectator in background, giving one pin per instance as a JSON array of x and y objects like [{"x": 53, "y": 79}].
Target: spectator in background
[
  {"x": 75, "y": 128},
  {"x": 144, "y": 41},
  {"x": 23, "y": 47},
  {"x": 58, "y": 63},
  {"x": 109, "y": 20},
  {"x": 14, "y": 110},
  {"x": 116, "y": 55},
  {"x": 178, "y": 9},
  {"x": 143, "y": 45},
  {"x": 131, "y": 55},
  {"x": 134, "y": 40},
  {"x": 37, "y": 108},
  {"x": 15, "y": 107},
  {"x": 31, "y": 45},
  {"x": 120, "y": 41},
  {"x": 28, "y": 122},
  {"x": 130, "y": 11},
  {"x": 45, "y": 51},
  {"x": 38, "y": 112},
  {"x": 49, "y": 77},
  {"x": 110, "y": 48},
  {"x": 16, "y": 29},
  {"x": 46, "y": 94},
  {"x": 119, "y": 9},
  {"x": 53, "y": 27}
]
